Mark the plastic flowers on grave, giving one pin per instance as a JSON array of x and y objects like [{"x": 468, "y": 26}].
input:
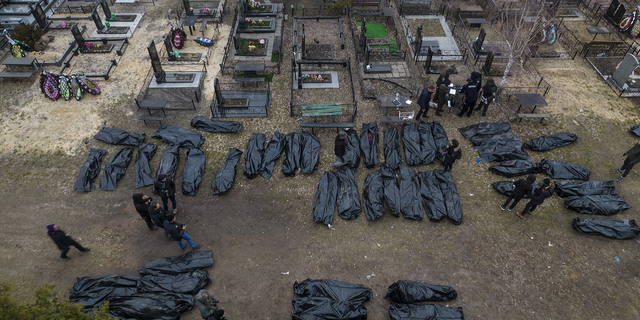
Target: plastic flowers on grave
[
  {"x": 251, "y": 48},
  {"x": 254, "y": 22},
  {"x": 251, "y": 43},
  {"x": 247, "y": 19},
  {"x": 262, "y": 41},
  {"x": 88, "y": 85},
  {"x": 49, "y": 86},
  {"x": 260, "y": 21},
  {"x": 88, "y": 44},
  {"x": 62, "y": 24}
]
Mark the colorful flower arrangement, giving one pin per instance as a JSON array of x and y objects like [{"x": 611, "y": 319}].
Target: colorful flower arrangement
[
  {"x": 63, "y": 24},
  {"x": 262, "y": 41},
  {"x": 251, "y": 43},
  {"x": 56, "y": 86}
]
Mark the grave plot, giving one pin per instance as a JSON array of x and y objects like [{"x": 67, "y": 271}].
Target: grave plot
[
  {"x": 113, "y": 23},
  {"x": 253, "y": 8},
  {"x": 604, "y": 39},
  {"x": 319, "y": 38},
  {"x": 234, "y": 100},
  {"x": 196, "y": 50},
  {"x": 419, "y": 7},
  {"x": 620, "y": 72},
  {"x": 381, "y": 34}
]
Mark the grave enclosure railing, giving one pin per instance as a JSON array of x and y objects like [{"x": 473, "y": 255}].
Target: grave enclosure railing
[
  {"x": 568, "y": 40},
  {"x": 539, "y": 84},
  {"x": 376, "y": 17},
  {"x": 462, "y": 35},
  {"x": 420, "y": 8},
  {"x": 606, "y": 67},
  {"x": 380, "y": 57},
  {"x": 175, "y": 104}
]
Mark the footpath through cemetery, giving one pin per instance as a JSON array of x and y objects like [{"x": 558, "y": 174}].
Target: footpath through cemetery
[{"x": 384, "y": 159}]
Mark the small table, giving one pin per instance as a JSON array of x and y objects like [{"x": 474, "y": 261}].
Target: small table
[
  {"x": 190, "y": 21},
  {"x": 153, "y": 104},
  {"x": 250, "y": 69},
  {"x": 20, "y": 62},
  {"x": 476, "y": 22},
  {"x": 388, "y": 102},
  {"x": 598, "y": 30},
  {"x": 470, "y": 8},
  {"x": 530, "y": 99}
]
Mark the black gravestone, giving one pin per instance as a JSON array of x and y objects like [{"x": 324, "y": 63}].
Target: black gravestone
[
  {"x": 40, "y": 16},
  {"x": 105, "y": 9},
  {"x": 622, "y": 9},
  {"x": 304, "y": 44},
  {"x": 612, "y": 8},
  {"x": 364, "y": 34},
  {"x": 488, "y": 62},
  {"x": 168, "y": 46},
  {"x": 477, "y": 45},
  {"x": 187, "y": 7},
  {"x": 236, "y": 35},
  {"x": 427, "y": 62},
  {"x": 366, "y": 56},
  {"x": 97, "y": 21},
  {"x": 241, "y": 9},
  {"x": 77, "y": 36},
  {"x": 216, "y": 91},
  {"x": 155, "y": 63},
  {"x": 418, "y": 42}
]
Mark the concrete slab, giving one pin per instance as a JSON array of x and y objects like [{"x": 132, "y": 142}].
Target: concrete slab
[
  {"x": 194, "y": 84},
  {"x": 271, "y": 37},
  {"x": 447, "y": 43},
  {"x": 331, "y": 85},
  {"x": 133, "y": 25},
  {"x": 398, "y": 70}
]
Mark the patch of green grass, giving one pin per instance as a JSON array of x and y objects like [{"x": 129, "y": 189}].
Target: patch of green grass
[
  {"x": 430, "y": 27},
  {"x": 275, "y": 57},
  {"x": 266, "y": 77},
  {"x": 378, "y": 30}
]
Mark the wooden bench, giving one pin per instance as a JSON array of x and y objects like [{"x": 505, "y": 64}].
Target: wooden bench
[
  {"x": 387, "y": 119},
  {"x": 243, "y": 80},
  {"x": 319, "y": 110},
  {"x": 336, "y": 125},
  {"x": 540, "y": 116},
  {"x": 152, "y": 104},
  {"x": 149, "y": 118},
  {"x": 15, "y": 75},
  {"x": 204, "y": 26}
]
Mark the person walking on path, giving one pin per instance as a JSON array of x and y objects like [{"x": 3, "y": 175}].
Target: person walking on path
[
  {"x": 633, "y": 157},
  {"x": 471, "y": 90},
  {"x": 142, "y": 203},
  {"x": 339, "y": 149},
  {"x": 487, "y": 94},
  {"x": 522, "y": 188},
  {"x": 537, "y": 199},
  {"x": 167, "y": 190},
  {"x": 175, "y": 231},
  {"x": 157, "y": 214},
  {"x": 207, "y": 304},
  {"x": 452, "y": 155},
  {"x": 424, "y": 102},
  {"x": 63, "y": 241}
]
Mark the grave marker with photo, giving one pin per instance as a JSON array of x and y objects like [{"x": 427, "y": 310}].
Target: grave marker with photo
[
  {"x": 155, "y": 63},
  {"x": 477, "y": 45},
  {"x": 628, "y": 64},
  {"x": 105, "y": 9}
]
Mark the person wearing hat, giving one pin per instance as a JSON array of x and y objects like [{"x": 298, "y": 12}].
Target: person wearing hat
[
  {"x": 487, "y": 94},
  {"x": 424, "y": 102},
  {"x": 633, "y": 157},
  {"x": 444, "y": 78},
  {"x": 471, "y": 90},
  {"x": 142, "y": 203},
  {"x": 452, "y": 155},
  {"x": 339, "y": 149},
  {"x": 521, "y": 189},
  {"x": 175, "y": 231},
  {"x": 537, "y": 199},
  {"x": 63, "y": 241},
  {"x": 166, "y": 188},
  {"x": 441, "y": 96},
  {"x": 207, "y": 304},
  {"x": 157, "y": 214}
]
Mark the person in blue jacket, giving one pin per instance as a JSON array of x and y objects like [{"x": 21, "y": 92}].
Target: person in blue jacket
[{"x": 424, "y": 101}]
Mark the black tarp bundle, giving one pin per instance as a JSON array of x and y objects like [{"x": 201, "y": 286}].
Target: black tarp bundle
[
  {"x": 513, "y": 168},
  {"x": 325, "y": 203},
  {"x": 115, "y": 169},
  {"x": 253, "y": 155},
  {"x": 564, "y": 170},
  {"x": 410, "y": 194},
  {"x": 292, "y": 151},
  {"x": 227, "y": 175},
  {"x": 312, "y": 308},
  {"x": 348, "y": 198},
  {"x": 399, "y": 311},
  {"x": 428, "y": 149},
  {"x": 168, "y": 163},
  {"x": 218, "y": 126},
  {"x": 440, "y": 139},
  {"x": 568, "y": 188},
  {"x": 391, "y": 189},
  {"x": 146, "y": 151},
  {"x": 162, "y": 291},
  {"x": 89, "y": 171},
  {"x": 391, "y": 143},
  {"x": 352, "y": 150},
  {"x": 193, "y": 169},
  {"x": 506, "y": 187},
  {"x": 178, "y": 136},
  {"x": 485, "y": 128},
  {"x": 635, "y": 130},
  {"x": 552, "y": 141},
  {"x": 603, "y": 205},
  {"x": 272, "y": 154},
  {"x": 121, "y": 137},
  {"x": 439, "y": 196},
  {"x": 621, "y": 229},
  {"x": 373, "y": 195},
  {"x": 406, "y": 291},
  {"x": 333, "y": 289},
  {"x": 310, "y": 153},
  {"x": 411, "y": 144},
  {"x": 369, "y": 138},
  {"x": 500, "y": 148}
]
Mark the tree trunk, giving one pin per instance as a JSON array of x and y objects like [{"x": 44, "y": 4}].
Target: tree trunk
[{"x": 506, "y": 73}]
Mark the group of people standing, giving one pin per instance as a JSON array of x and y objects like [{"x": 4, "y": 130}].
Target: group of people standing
[{"x": 523, "y": 188}]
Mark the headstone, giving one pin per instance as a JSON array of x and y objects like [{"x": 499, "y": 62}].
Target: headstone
[
  {"x": 40, "y": 16},
  {"x": 418, "y": 42},
  {"x": 304, "y": 44},
  {"x": 427, "y": 62},
  {"x": 77, "y": 36},
  {"x": 622, "y": 10},
  {"x": 612, "y": 8},
  {"x": 628, "y": 64},
  {"x": 97, "y": 21},
  {"x": 240, "y": 11},
  {"x": 168, "y": 46},
  {"x": 187, "y": 6},
  {"x": 477, "y": 45},
  {"x": 105, "y": 9},
  {"x": 488, "y": 62},
  {"x": 216, "y": 90},
  {"x": 364, "y": 34},
  {"x": 236, "y": 36},
  {"x": 367, "y": 54},
  {"x": 155, "y": 62}
]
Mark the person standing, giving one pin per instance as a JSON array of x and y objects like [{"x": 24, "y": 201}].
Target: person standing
[
  {"x": 424, "y": 101},
  {"x": 471, "y": 90},
  {"x": 537, "y": 199},
  {"x": 167, "y": 190},
  {"x": 444, "y": 77},
  {"x": 157, "y": 214},
  {"x": 207, "y": 304},
  {"x": 142, "y": 203},
  {"x": 63, "y": 241},
  {"x": 487, "y": 94},
  {"x": 633, "y": 157},
  {"x": 452, "y": 155},
  {"x": 441, "y": 96},
  {"x": 175, "y": 231},
  {"x": 521, "y": 189},
  {"x": 477, "y": 78},
  {"x": 339, "y": 149}
]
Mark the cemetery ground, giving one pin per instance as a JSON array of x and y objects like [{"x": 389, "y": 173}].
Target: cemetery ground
[{"x": 502, "y": 267}]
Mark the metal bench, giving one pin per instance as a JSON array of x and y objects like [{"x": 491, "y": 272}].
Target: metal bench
[
  {"x": 149, "y": 118},
  {"x": 319, "y": 110},
  {"x": 204, "y": 26},
  {"x": 540, "y": 116},
  {"x": 336, "y": 125},
  {"x": 152, "y": 104},
  {"x": 15, "y": 75}
]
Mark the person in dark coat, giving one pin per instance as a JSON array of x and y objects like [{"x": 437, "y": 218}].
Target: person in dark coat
[
  {"x": 423, "y": 102},
  {"x": 219, "y": 315},
  {"x": 444, "y": 77},
  {"x": 157, "y": 214},
  {"x": 441, "y": 96},
  {"x": 166, "y": 188},
  {"x": 537, "y": 199},
  {"x": 487, "y": 94},
  {"x": 142, "y": 203},
  {"x": 207, "y": 304},
  {"x": 175, "y": 231},
  {"x": 339, "y": 149},
  {"x": 633, "y": 157},
  {"x": 471, "y": 91},
  {"x": 452, "y": 155},
  {"x": 477, "y": 78},
  {"x": 63, "y": 241},
  {"x": 522, "y": 188}
]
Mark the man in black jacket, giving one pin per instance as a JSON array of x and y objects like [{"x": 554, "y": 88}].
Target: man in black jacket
[
  {"x": 522, "y": 189},
  {"x": 487, "y": 94},
  {"x": 424, "y": 102},
  {"x": 175, "y": 231},
  {"x": 452, "y": 155},
  {"x": 142, "y": 203},
  {"x": 157, "y": 214},
  {"x": 339, "y": 149},
  {"x": 537, "y": 199},
  {"x": 63, "y": 241},
  {"x": 441, "y": 96},
  {"x": 471, "y": 90},
  {"x": 166, "y": 188},
  {"x": 633, "y": 157}
]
